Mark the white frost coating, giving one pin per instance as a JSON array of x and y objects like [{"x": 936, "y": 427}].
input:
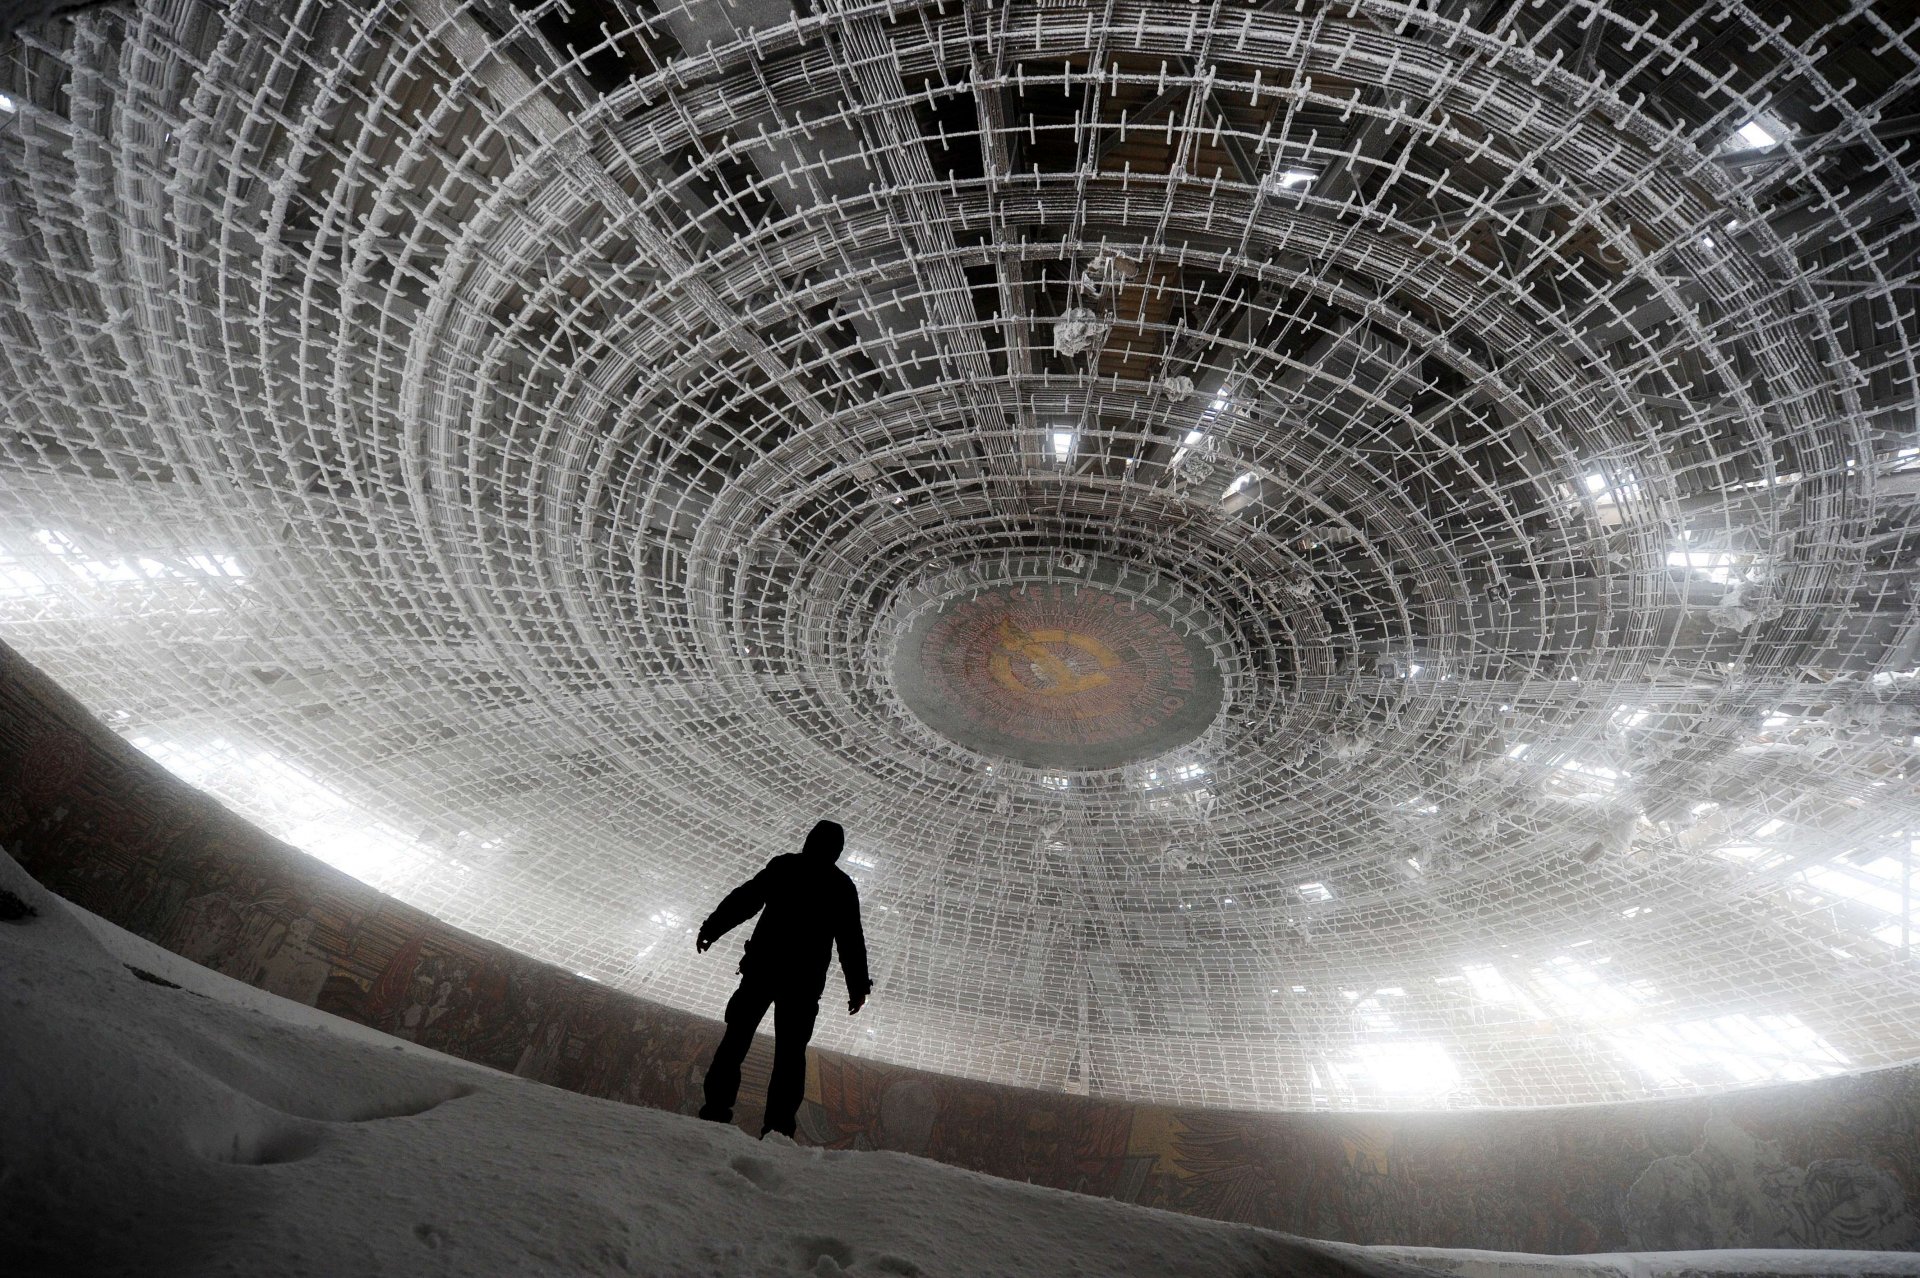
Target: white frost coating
[
  {"x": 1079, "y": 330},
  {"x": 541, "y": 461},
  {"x": 1734, "y": 613}
]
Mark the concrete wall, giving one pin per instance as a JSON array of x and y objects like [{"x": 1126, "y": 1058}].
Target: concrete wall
[{"x": 1828, "y": 1164}]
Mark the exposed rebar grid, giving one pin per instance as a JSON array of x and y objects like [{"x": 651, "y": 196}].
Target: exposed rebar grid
[{"x": 520, "y": 453}]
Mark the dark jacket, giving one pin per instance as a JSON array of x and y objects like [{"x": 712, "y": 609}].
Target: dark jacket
[{"x": 807, "y": 907}]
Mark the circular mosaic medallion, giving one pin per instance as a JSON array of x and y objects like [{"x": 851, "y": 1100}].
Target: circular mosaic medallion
[{"x": 1058, "y": 675}]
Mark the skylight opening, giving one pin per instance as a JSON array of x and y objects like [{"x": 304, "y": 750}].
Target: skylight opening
[
  {"x": 1287, "y": 179},
  {"x": 1373, "y": 1015},
  {"x": 1405, "y": 1069},
  {"x": 1315, "y": 892},
  {"x": 1195, "y": 439},
  {"x": 18, "y": 580},
  {"x": 1489, "y": 985},
  {"x": 1781, "y": 480},
  {"x": 1589, "y": 770},
  {"x": 1714, "y": 565},
  {"x": 67, "y": 552},
  {"x": 1739, "y": 1049},
  {"x": 1063, "y": 441},
  {"x": 1573, "y": 990},
  {"x": 293, "y": 805},
  {"x": 1755, "y": 135},
  {"x": 1876, "y": 885}
]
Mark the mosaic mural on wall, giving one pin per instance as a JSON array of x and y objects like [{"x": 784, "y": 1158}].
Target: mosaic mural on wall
[{"x": 1829, "y": 1164}]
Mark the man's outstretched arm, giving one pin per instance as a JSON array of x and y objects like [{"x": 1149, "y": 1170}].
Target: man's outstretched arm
[
  {"x": 851, "y": 942},
  {"x": 740, "y": 905}
]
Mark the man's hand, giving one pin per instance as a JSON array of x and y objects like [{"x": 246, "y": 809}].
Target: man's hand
[
  {"x": 702, "y": 943},
  {"x": 855, "y": 1002}
]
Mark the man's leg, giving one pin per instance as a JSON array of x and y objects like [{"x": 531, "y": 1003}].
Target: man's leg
[
  {"x": 793, "y": 1015},
  {"x": 744, "y": 1010}
]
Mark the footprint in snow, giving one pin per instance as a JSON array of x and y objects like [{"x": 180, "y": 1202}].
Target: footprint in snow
[
  {"x": 825, "y": 1257},
  {"x": 762, "y": 1173}
]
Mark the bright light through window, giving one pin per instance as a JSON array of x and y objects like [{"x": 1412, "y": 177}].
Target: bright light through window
[
  {"x": 1713, "y": 565},
  {"x": 1577, "y": 991},
  {"x": 1292, "y": 178},
  {"x": 1728, "y": 1049},
  {"x": 1315, "y": 892},
  {"x": 1062, "y": 445},
  {"x": 73, "y": 560},
  {"x": 291, "y": 804},
  {"x": 1194, "y": 439},
  {"x": 1609, "y": 493},
  {"x": 1874, "y": 889},
  {"x": 6, "y": 105},
  {"x": 1406, "y": 1070},
  {"x": 1755, "y": 135},
  {"x": 1490, "y": 986}
]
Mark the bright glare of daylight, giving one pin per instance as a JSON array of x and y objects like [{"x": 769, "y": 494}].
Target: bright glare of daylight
[
  {"x": 1410, "y": 1071},
  {"x": 291, "y": 805},
  {"x": 1711, "y": 564},
  {"x": 1452, "y": 652},
  {"x": 1728, "y": 1049}
]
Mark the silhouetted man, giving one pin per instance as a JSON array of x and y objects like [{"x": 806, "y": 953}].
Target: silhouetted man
[{"x": 807, "y": 907}]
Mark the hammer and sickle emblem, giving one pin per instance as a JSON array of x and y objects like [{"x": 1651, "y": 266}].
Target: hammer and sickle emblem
[{"x": 1040, "y": 648}]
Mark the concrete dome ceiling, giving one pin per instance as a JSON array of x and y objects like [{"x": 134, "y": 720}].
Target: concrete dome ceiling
[{"x": 1355, "y": 556}]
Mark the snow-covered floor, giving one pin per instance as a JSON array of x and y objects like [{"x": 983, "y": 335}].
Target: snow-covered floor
[{"x": 202, "y": 1128}]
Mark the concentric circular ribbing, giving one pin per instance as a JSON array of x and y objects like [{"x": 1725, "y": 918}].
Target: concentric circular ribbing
[{"x": 540, "y": 428}]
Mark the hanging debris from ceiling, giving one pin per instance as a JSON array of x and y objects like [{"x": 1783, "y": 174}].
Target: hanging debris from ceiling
[{"x": 1078, "y": 330}]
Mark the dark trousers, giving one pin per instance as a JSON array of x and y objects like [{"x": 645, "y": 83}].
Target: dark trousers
[{"x": 794, "y": 1010}]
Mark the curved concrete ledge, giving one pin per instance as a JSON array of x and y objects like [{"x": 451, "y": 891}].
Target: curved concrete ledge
[{"x": 1833, "y": 1164}]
